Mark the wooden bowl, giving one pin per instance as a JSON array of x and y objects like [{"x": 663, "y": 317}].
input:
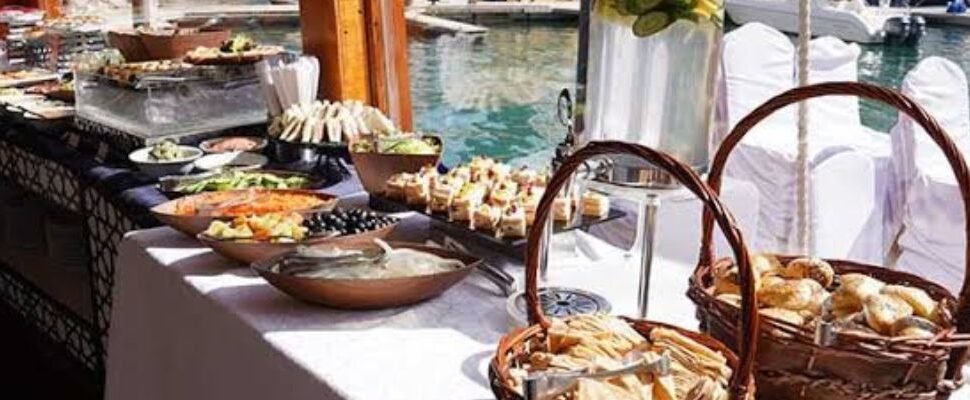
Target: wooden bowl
[
  {"x": 192, "y": 225},
  {"x": 374, "y": 169},
  {"x": 172, "y": 45},
  {"x": 365, "y": 294},
  {"x": 129, "y": 43},
  {"x": 248, "y": 252}
]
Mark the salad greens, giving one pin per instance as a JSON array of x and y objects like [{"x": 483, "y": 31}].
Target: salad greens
[{"x": 243, "y": 180}]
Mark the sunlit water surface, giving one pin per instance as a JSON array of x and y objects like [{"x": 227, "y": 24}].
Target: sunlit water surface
[{"x": 496, "y": 94}]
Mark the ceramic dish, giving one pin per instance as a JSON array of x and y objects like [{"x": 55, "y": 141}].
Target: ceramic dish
[
  {"x": 158, "y": 169},
  {"x": 369, "y": 293},
  {"x": 192, "y": 225}
]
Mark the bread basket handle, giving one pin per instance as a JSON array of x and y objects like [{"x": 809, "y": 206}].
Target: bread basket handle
[
  {"x": 690, "y": 180},
  {"x": 886, "y": 96}
]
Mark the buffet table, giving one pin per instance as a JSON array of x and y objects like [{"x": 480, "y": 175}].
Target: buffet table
[{"x": 189, "y": 324}]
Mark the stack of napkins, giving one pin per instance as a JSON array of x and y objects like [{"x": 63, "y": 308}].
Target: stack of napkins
[{"x": 287, "y": 83}]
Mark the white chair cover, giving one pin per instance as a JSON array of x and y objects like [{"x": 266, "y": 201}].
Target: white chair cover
[
  {"x": 758, "y": 64},
  {"x": 927, "y": 201},
  {"x": 767, "y": 155}
]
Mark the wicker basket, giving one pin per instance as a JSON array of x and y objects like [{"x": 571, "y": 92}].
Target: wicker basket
[
  {"x": 852, "y": 365},
  {"x": 512, "y": 349}
]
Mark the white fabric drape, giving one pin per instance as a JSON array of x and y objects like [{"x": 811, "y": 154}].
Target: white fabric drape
[
  {"x": 927, "y": 201},
  {"x": 767, "y": 155}
]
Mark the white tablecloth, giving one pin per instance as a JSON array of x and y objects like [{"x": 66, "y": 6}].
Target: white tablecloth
[{"x": 188, "y": 324}]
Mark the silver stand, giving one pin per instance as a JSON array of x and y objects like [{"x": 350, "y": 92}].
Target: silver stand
[
  {"x": 545, "y": 247},
  {"x": 648, "y": 230}
]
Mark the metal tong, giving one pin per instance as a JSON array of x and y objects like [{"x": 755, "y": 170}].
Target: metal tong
[
  {"x": 548, "y": 385},
  {"x": 304, "y": 261}
]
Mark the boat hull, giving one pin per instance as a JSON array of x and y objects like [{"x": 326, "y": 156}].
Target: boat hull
[{"x": 783, "y": 15}]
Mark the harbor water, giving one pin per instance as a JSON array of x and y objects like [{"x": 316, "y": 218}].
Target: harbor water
[{"x": 496, "y": 94}]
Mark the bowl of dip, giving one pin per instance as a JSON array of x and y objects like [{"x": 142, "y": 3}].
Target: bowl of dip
[{"x": 418, "y": 273}]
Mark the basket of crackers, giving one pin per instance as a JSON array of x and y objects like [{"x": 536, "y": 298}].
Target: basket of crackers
[
  {"x": 836, "y": 329},
  {"x": 605, "y": 357}
]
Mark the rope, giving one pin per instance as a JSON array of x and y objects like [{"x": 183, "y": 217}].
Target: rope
[{"x": 803, "y": 234}]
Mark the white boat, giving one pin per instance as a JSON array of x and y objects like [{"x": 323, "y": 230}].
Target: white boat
[{"x": 849, "y": 20}]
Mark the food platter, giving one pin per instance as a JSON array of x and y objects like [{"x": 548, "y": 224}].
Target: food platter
[
  {"x": 26, "y": 78},
  {"x": 174, "y": 186},
  {"x": 580, "y": 222},
  {"x": 251, "y": 251},
  {"x": 173, "y": 213},
  {"x": 370, "y": 293}
]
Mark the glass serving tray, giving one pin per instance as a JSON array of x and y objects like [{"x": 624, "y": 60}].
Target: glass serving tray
[{"x": 153, "y": 107}]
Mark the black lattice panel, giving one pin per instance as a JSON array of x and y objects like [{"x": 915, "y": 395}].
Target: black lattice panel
[
  {"x": 60, "y": 186},
  {"x": 40, "y": 176},
  {"x": 106, "y": 227},
  {"x": 53, "y": 319}
]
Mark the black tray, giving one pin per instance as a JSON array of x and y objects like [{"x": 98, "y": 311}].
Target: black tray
[{"x": 388, "y": 205}]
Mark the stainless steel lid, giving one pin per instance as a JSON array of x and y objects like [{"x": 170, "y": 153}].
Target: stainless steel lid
[{"x": 558, "y": 302}]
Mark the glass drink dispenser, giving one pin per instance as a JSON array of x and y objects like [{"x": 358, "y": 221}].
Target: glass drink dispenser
[{"x": 647, "y": 74}]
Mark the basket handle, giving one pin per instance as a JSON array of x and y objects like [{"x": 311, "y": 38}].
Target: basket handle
[
  {"x": 690, "y": 180},
  {"x": 886, "y": 96}
]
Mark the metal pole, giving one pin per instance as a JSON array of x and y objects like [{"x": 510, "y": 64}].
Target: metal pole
[
  {"x": 545, "y": 246},
  {"x": 648, "y": 225}
]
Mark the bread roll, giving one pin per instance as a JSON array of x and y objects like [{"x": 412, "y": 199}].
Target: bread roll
[
  {"x": 812, "y": 268},
  {"x": 923, "y": 305},
  {"x": 800, "y": 295},
  {"x": 855, "y": 323},
  {"x": 765, "y": 265},
  {"x": 789, "y": 316},
  {"x": 726, "y": 279},
  {"x": 882, "y": 311},
  {"x": 915, "y": 333},
  {"x": 913, "y": 326},
  {"x": 853, "y": 290}
]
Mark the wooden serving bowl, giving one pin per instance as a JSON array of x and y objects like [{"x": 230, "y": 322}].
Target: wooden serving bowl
[
  {"x": 192, "y": 225},
  {"x": 365, "y": 294},
  {"x": 129, "y": 43},
  {"x": 248, "y": 252},
  {"x": 172, "y": 45},
  {"x": 374, "y": 169}
]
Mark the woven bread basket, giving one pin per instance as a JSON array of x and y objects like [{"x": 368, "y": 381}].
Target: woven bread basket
[
  {"x": 791, "y": 363},
  {"x": 513, "y": 348}
]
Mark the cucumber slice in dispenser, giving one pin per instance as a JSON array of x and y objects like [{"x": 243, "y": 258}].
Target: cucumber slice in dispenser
[
  {"x": 651, "y": 23},
  {"x": 641, "y": 7}
]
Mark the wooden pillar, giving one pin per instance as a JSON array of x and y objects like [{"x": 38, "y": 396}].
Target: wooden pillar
[{"x": 358, "y": 43}]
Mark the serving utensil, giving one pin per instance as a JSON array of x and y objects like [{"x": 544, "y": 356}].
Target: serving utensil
[
  {"x": 304, "y": 260},
  {"x": 549, "y": 385}
]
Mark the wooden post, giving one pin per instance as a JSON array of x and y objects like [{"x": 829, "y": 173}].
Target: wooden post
[{"x": 358, "y": 45}]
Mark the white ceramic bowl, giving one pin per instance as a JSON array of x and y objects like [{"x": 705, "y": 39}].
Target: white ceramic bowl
[
  {"x": 158, "y": 169},
  {"x": 231, "y": 160}
]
